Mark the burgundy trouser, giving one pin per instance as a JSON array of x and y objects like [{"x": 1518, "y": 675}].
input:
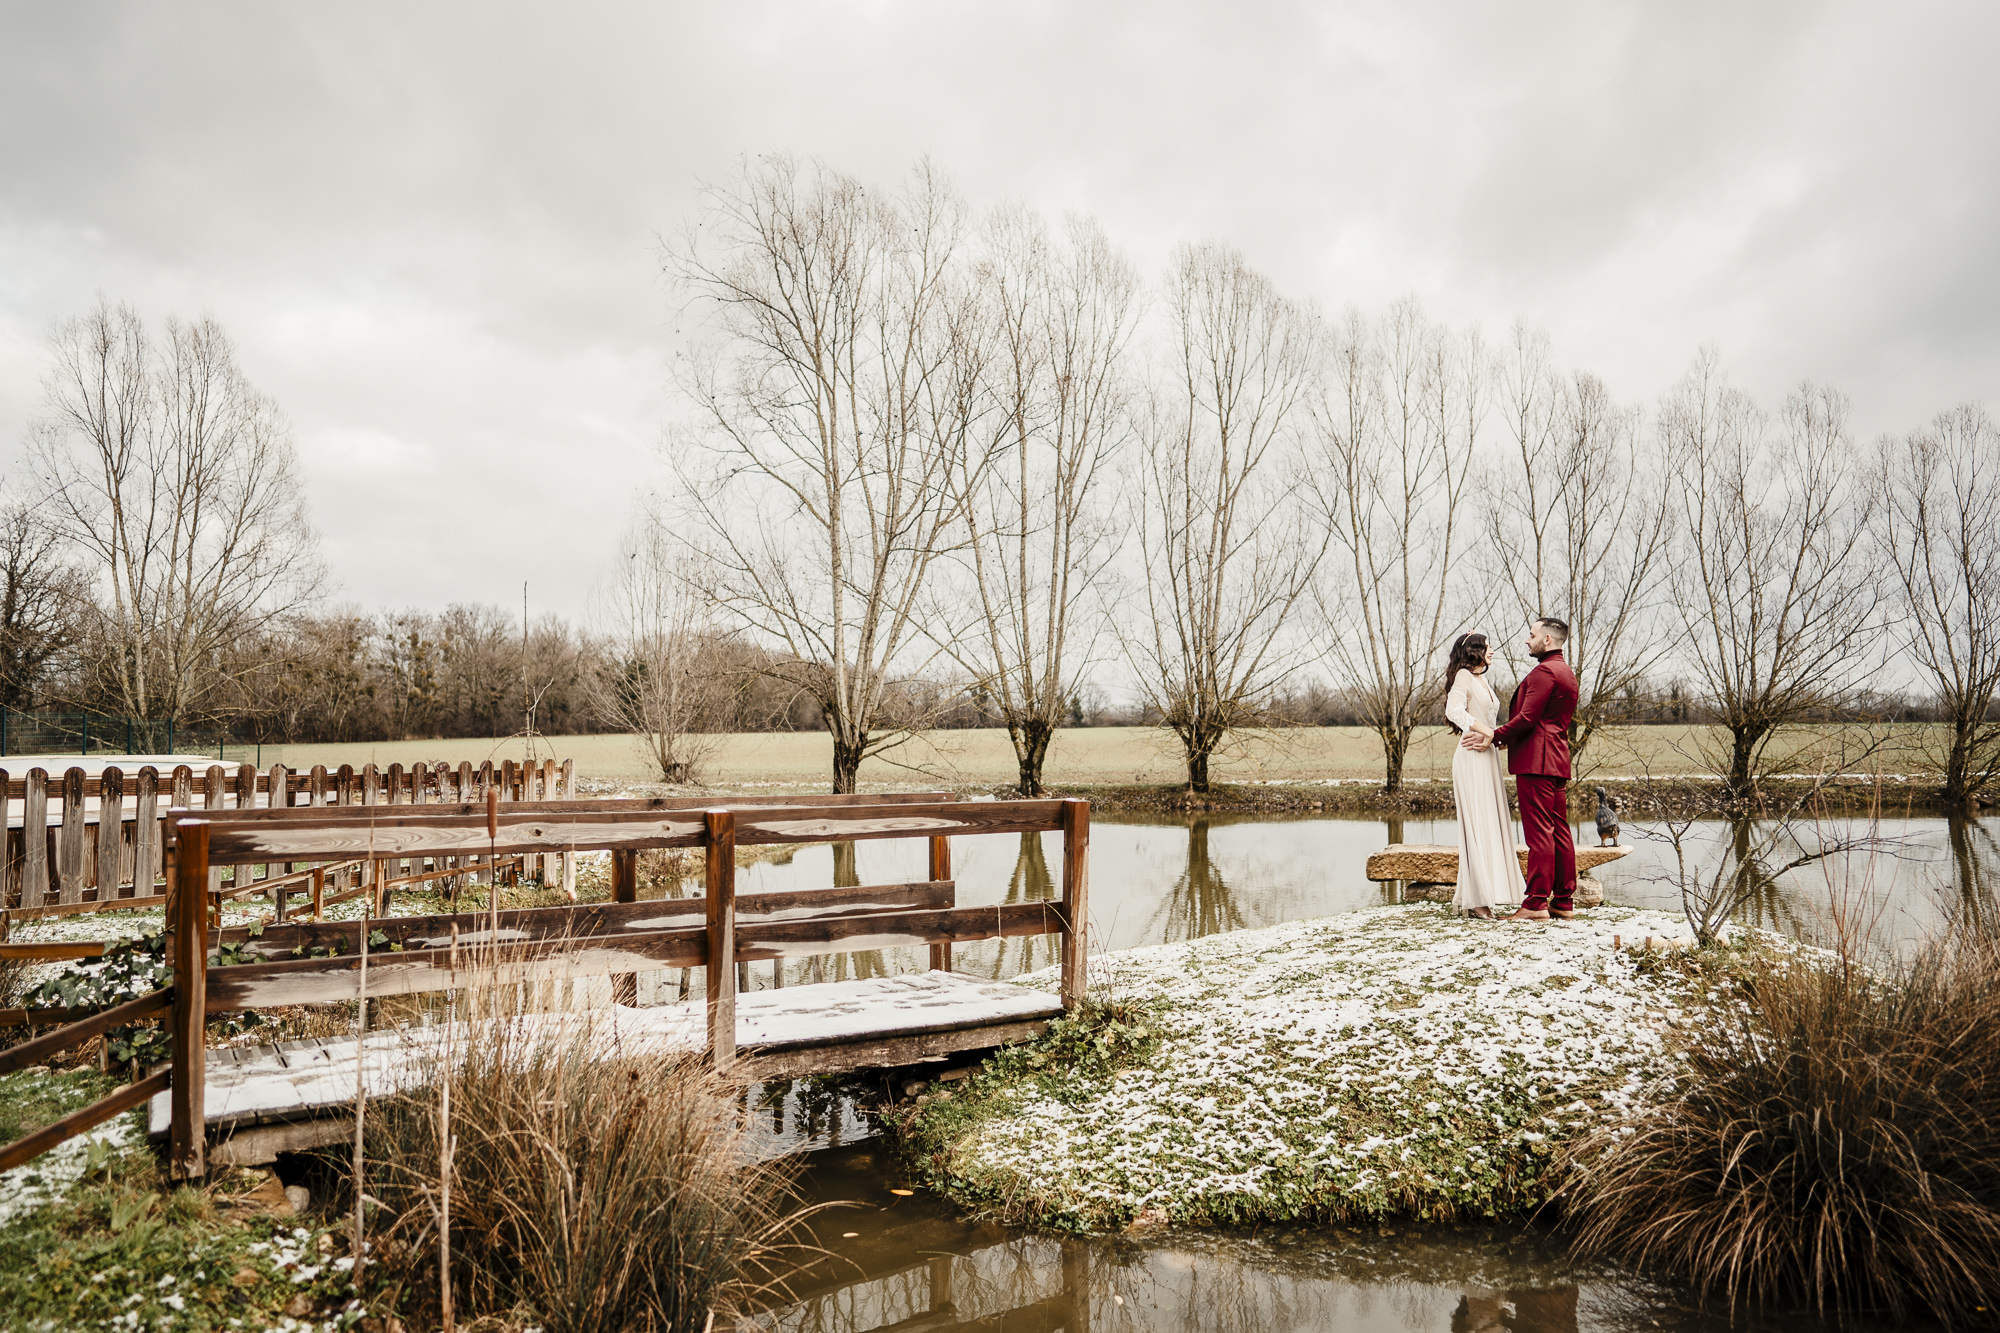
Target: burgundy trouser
[{"x": 1551, "y": 849}]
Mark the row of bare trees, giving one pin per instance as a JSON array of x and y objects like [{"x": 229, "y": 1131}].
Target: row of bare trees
[
  {"x": 938, "y": 465},
  {"x": 930, "y": 445}
]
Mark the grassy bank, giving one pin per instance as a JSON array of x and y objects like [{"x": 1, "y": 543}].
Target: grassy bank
[{"x": 1391, "y": 1062}]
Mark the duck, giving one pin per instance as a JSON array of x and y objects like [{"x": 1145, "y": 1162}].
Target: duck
[{"x": 1607, "y": 818}]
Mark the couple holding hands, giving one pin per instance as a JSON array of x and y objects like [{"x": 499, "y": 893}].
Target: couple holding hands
[{"x": 1536, "y": 739}]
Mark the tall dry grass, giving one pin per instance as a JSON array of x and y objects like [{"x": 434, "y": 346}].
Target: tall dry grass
[
  {"x": 1834, "y": 1143},
  {"x": 591, "y": 1187}
]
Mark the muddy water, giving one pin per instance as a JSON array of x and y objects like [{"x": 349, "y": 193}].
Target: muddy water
[{"x": 908, "y": 1262}]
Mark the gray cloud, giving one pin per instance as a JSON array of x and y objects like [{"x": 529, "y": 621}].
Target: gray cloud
[{"x": 432, "y": 229}]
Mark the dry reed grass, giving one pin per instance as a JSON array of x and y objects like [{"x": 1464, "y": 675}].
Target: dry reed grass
[
  {"x": 1833, "y": 1142},
  {"x": 593, "y": 1187}
]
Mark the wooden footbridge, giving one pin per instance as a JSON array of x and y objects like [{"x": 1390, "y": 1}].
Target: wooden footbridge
[{"x": 784, "y": 1033}]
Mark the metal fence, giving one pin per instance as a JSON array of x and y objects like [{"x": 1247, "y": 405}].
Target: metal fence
[{"x": 24, "y": 732}]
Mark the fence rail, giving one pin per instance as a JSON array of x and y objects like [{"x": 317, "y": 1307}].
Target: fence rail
[{"x": 80, "y": 842}]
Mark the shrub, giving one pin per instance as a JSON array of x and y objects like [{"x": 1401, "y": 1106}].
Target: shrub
[
  {"x": 1832, "y": 1140},
  {"x": 596, "y": 1189}
]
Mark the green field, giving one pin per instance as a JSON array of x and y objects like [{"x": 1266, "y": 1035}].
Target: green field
[{"x": 1093, "y": 756}]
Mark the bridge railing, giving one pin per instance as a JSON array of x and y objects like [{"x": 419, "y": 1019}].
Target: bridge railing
[{"x": 617, "y": 939}]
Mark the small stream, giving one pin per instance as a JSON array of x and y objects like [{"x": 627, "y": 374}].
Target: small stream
[{"x": 909, "y": 1262}]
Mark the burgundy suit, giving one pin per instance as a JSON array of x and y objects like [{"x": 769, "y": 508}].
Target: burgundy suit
[{"x": 1536, "y": 734}]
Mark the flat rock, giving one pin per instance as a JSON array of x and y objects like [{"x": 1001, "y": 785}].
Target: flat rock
[
  {"x": 1435, "y": 863},
  {"x": 1589, "y": 892}
]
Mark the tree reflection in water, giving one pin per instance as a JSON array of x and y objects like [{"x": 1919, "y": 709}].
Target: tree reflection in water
[
  {"x": 1031, "y": 882},
  {"x": 1975, "y": 859},
  {"x": 1200, "y": 901},
  {"x": 848, "y": 966}
]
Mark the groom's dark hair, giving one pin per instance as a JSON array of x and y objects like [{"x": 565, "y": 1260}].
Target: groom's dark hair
[{"x": 1559, "y": 628}]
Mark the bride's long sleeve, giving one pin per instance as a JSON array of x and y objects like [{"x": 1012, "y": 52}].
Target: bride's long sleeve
[{"x": 1458, "y": 702}]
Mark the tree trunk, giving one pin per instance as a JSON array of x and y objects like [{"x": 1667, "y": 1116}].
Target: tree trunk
[
  {"x": 1031, "y": 748},
  {"x": 1197, "y": 770},
  {"x": 847, "y": 764},
  {"x": 1958, "y": 786},
  {"x": 1395, "y": 752},
  {"x": 1741, "y": 784}
]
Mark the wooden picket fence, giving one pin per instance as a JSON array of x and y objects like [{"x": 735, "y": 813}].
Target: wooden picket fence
[{"x": 87, "y": 844}]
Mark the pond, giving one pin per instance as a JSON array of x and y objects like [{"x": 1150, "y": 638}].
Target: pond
[{"x": 906, "y": 1261}]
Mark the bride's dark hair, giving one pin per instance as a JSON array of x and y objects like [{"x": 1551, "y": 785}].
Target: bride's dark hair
[{"x": 1466, "y": 654}]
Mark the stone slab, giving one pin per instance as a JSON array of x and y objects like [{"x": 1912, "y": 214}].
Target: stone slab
[
  {"x": 1589, "y": 892},
  {"x": 1435, "y": 863}
]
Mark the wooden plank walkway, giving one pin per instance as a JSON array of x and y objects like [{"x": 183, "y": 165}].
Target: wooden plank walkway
[{"x": 822, "y": 1028}]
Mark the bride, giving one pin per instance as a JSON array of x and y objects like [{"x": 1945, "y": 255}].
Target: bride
[{"x": 1489, "y": 870}]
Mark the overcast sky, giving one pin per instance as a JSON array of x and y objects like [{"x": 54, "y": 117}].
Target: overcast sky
[{"x": 432, "y": 228}]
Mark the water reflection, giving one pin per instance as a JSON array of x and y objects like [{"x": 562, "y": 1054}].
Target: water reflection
[
  {"x": 906, "y": 1263},
  {"x": 1199, "y": 902}
]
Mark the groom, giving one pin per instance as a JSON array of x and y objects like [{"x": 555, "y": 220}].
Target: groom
[{"x": 1536, "y": 734}]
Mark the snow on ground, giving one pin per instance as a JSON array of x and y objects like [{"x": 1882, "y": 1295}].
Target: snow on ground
[
  {"x": 50, "y": 1176},
  {"x": 1393, "y": 1060}
]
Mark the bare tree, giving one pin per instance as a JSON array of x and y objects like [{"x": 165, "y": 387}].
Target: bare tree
[
  {"x": 43, "y": 598},
  {"x": 1397, "y": 425},
  {"x": 837, "y": 398},
  {"x": 1226, "y": 554},
  {"x": 1578, "y": 515},
  {"x": 1778, "y": 602},
  {"x": 1718, "y": 880},
  {"x": 661, "y": 680},
  {"x": 1038, "y": 541},
  {"x": 177, "y": 480},
  {"x": 1939, "y": 530}
]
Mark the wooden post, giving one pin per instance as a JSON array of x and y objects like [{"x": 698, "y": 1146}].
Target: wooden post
[
  {"x": 110, "y": 833},
  {"x": 280, "y": 799},
  {"x": 721, "y": 911},
  {"x": 566, "y": 791},
  {"x": 551, "y": 869},
  {"x": 69, "y": 848},
  {"x": 10, "y": 866},
  {"x": 246, "y": 799},
  {"x": 146, "y": 833},
  {"x": 488, "y": 875},
  {"x": 419, "y": 795},
  {"x": 319, "y": 891},
  {"x": 35, "y": 840},
  {"x": 218, "y": 783},
  {"x": 1075, "y": 900},
  {"x": 188, "y": 1142},
  {"x": 941, "y": 869},
  {"x": 346, "y": 792},
  {"x": 624, "y": 889}
]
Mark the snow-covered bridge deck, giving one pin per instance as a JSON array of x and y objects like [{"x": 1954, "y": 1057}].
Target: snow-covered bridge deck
[{"x": 265, "y": 1099}]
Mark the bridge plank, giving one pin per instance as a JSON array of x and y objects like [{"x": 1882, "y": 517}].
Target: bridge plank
[{"x": 798, "y": 1029}]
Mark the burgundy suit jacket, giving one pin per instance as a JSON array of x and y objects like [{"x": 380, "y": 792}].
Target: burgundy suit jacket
[{"x": 1536, "y": 732}]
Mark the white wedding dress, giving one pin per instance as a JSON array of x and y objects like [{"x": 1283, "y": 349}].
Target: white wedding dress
[{"x": 1489, "y": 869}]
